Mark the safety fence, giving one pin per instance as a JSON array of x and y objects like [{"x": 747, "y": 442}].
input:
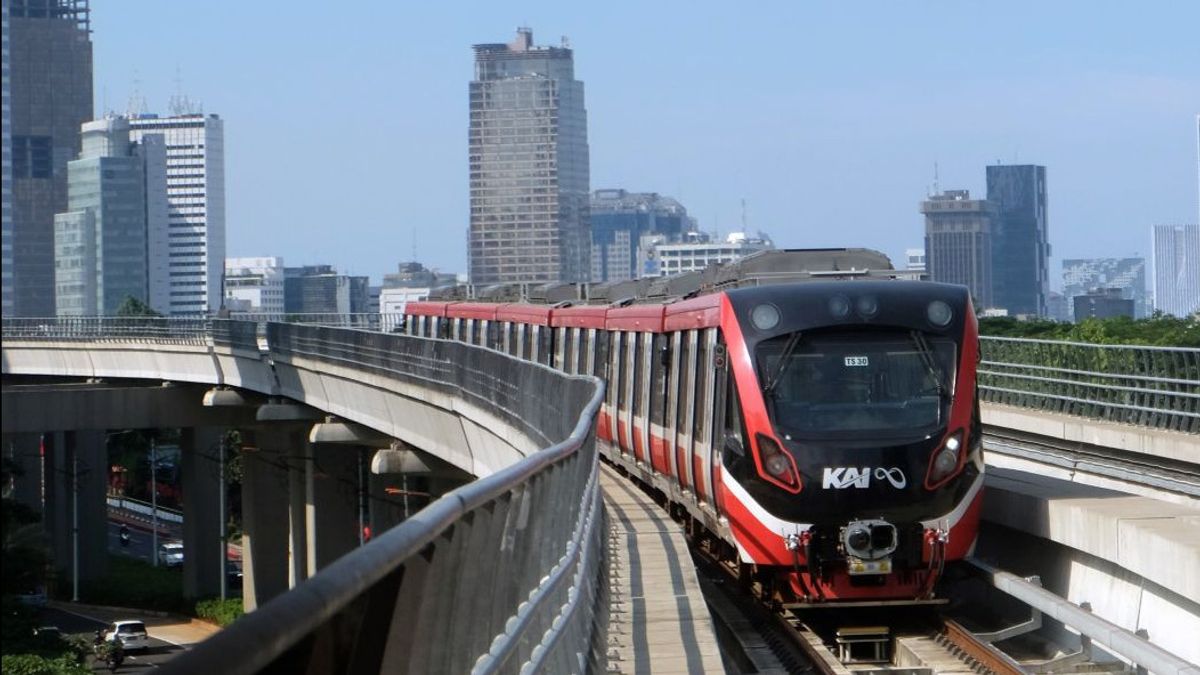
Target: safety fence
[
  {"x": 501, "y": 575},
  {"x": 1148, "y": 386},
  {"x": 160, "y": 330}
]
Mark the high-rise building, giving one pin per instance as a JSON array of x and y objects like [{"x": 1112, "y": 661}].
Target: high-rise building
[
  {"x": 195, "y": 161},
  {"x": 254, "y": 285},
  {"x": 958, "y": 243},
  {"x": 47, "y": 55},
  {"x": 319, "y": 289},
  {"x": 6, "y": 174},
  {"x": 1102, "y": 303},
  {"x": 620, "y": 219},
  {"x": 1177, "y": 269},
  {"x": 115, "y": 222},
  {"x": 1020, "y": 238},
  {"x": 697, "y": 251},
  {"x": 528, "y": 158},
  {"x": 1128, "y": 275}
]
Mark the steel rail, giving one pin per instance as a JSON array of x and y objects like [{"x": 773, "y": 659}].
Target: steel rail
[{"x": 985, "y": 654}]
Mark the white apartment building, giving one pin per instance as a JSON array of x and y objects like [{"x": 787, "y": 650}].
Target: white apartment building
[
  {"x": 254, "y": 284},
  {"x": 693, "y": 256},
  {"x": 195, "y": 168}
]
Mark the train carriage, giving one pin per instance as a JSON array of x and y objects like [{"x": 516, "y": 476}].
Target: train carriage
[{"x": 823, "y": 435}]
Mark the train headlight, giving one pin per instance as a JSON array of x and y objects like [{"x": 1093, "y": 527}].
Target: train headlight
[
  {"x": 858, "y": 540},
  {"x": 939, "y": 313},
  {"x": 839, "y": 306},
  {"x": 776, "y": 464},
  {"x": 867, "y": 306},
  {"x": 946, "y": 460}
]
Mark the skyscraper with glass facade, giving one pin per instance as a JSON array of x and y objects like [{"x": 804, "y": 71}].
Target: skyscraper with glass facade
[
  {"x": 1177, "y": 269},
  {"x": 47, "y": 54},
  {"x": 619, "y": 221},
  {"x": 958, "y": 243},
  {"x": 103, "y": 243},
  {"x": 1020, "y": 238},
  {"x": 528, "y": 159},
  {"x": 195, "y": 162},
  {"x": 1081, "y": 276}
]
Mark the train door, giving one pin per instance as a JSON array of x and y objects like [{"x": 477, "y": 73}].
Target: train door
[
  {"x": 642, "y": 397},
  {"x": 625, "y": 400},
  {"x": 614, "y": 384},
  {"x": 727, "y": 423},
  {"x": 635, "y": 418},
  {"x": 687, "y": 408},
  {"x": 702, "y": 428},
  {"x": 657, "y": 388},
  {"x": 673, "y": 391}
]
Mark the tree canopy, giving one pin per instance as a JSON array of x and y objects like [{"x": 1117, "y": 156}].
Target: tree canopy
[
  {"x": 1159, "y": 330},
  {"x": 132, "y": 306}
]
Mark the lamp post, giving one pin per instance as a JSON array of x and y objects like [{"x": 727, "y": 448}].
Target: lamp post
[
  {"x": 75, "y": 524},
  {"x": 221, "y": 498},
  {"x": 153, "y": 502}
]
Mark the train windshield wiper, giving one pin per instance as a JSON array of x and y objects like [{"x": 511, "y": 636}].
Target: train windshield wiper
[
  {"x": 785, "y": 358},
  {"x": 926, "y": 353}
]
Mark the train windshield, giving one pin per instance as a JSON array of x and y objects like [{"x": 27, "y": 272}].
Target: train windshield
[{"x": 854, "y": 384}]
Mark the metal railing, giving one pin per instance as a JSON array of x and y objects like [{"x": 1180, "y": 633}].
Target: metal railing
[
  {"x": 503, "y": 574},
  {"x": 1148, "y": 386},
  {"x": 141, "y": 329},
  {"x": 381, "y": 322}
]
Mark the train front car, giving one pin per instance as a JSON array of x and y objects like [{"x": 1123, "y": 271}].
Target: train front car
[{"x": 855, "y": 470}]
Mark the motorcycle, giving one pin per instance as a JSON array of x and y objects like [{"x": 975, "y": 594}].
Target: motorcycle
[{"x": 124, "y": 536}]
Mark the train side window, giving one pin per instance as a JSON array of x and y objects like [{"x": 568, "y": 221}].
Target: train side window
[
  {"x": 572, "y": 365},
  {"x": 546, "y": 345},
  {"x": 684, "y": 420},
  {"x": 560, "y": 347},
  {"x": 636, "y": 357},
  {"x": 702, "y": 373},
  {"x": 658, "y": 379},
  {"x": 586, "y": 344},
  {"x": 614, "y": 369},
  {"x": 600, "y": 354}
]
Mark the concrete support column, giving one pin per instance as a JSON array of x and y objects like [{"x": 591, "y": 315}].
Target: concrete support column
[
  {"x": 24, "y": 451},
  {"x": 203, "y": 551},
  {"x": 78, "y": 469},
  {"x": 297, "y": 496},
  {"x": 332, "y": 502},
  {"x": 264, "y": 507}
]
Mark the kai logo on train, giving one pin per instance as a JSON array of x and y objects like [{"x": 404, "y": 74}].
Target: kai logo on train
[{"x": 842, "y": 477}]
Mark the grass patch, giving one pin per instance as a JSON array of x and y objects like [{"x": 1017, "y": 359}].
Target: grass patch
[
  {"x": 138, "y": 584},
  {"x": 220, "y": 612}
]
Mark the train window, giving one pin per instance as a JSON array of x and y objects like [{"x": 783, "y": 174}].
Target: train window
[
  {"x": 614, "y": 369},
  {"x": 636, "y": 358},
  {"x": 856, "y": 383},
  {"x": 522, "y": 349},
  {"x": 673, "y": 387},
  {"x": 586, "y": 340},
  {"x": 545, "y": 345},
  {"x": 687, "y": 393},
  {"x": 560, "y": 347},
  {"x": 703, "y": 372},
  {"x": 599, "y": 363},
  {"x": 658, "y": 379},
  {"x": 572, "y": 347}
]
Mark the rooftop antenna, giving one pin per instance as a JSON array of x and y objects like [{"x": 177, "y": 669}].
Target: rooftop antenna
[
  {"x": 136, "y": 105},
  {"x": 744, "y": 228},
  {"x": 414, "y": 244},
  {"x": 180, "y": 104},
  {"x": 936, "y": 187}
]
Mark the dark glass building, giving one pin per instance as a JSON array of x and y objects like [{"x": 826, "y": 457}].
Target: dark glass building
[
  {"x": 1020, "y": 238},
  {"x": 528, "y": 159},
  {"x": 620, "y": 219},
  {"x": 319, "y": 289},
  {"x": 48, "y": 59}
]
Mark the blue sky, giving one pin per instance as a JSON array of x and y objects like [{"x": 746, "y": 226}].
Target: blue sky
[{"x": 346, "y": 123}]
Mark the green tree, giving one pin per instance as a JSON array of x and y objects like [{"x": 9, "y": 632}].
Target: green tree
[{"x": 132, "y": 306}]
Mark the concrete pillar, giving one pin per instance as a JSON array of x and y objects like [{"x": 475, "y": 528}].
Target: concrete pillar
[
  {"x": 332, "y": 502},
  {"x": 24, "y": 451},
  {"x": 203, "y": 551},
  {"x": 297, "y": 515},
  {"x": 264, "y": 508},
  {"x": 76, "y": 466}
]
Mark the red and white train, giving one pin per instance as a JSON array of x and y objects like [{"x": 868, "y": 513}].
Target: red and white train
[{"x": 825, "y": 434}]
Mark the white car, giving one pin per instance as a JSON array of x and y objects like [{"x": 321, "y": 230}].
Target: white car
[
  {"x": 170, "y": 554},
  {"x": 131, "y": 633}
]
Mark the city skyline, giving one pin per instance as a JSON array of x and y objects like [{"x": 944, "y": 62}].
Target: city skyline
[{"x": 802, "y": 138}]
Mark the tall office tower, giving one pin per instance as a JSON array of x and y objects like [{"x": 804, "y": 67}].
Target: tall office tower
[
  {"x": 195, "y": 162},
  {"x": 6, "y": 175},
  {"x": 319, "y": 289},
  {"x": 528, "y": 157},
  {"x": 959, "y": 243},
  {"x": 1177, "y": 269},
  {"x": 1080, "y": 276},
  {"x": 1020, "y": 238},
  {"x": 116, "y": 201},
  {"x": 620, "y": 219},
  {"x": 48, "y": 58}
]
